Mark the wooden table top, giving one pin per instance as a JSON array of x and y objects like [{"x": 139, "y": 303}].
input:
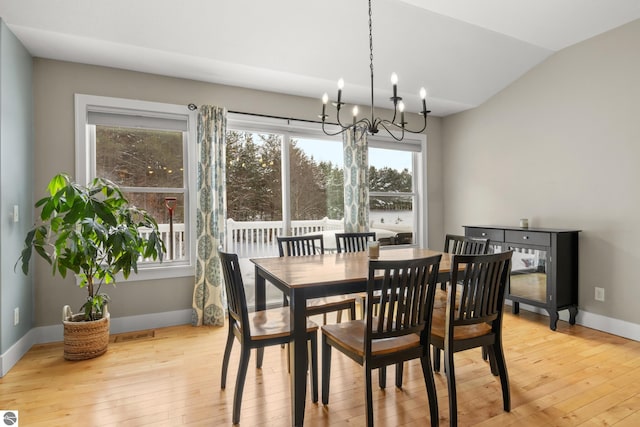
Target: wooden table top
[{"x": 305, "y": 271}]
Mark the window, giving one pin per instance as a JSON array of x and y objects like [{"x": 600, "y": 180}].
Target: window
[
  {"x": 144, "y": 148},
  {"x": 395, "y": 183},
  {"x": 287, "y": 178}
]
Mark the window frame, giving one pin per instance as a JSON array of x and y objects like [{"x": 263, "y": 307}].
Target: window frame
[{"x": 85, "y": 167}]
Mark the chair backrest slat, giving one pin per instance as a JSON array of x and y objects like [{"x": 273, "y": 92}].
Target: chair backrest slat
[
  {"x": 464, "y": 245},
  {"x": 406, "y": 290},
  {"x": 354, "y": 242},
  {"x": 301, "y": 245},
  {"x": 236, "y": 297},
  {"x": 481, "y": 282}
]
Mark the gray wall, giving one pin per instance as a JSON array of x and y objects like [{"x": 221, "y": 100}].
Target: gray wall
[
  {"x": 55, "y": 84},
  {"x": 561, "y": 146},
  {"x": 16, "y": 147}
]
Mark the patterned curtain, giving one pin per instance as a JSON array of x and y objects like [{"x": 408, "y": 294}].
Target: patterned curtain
[
  {"x": 208, "y": 304},
  {"x": 356, "y": 181}
]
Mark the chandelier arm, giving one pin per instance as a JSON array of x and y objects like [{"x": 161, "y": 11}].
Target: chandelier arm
[
  {"x": 338, "y": 119},
  {"x": 364, "y": 121},
  {"x": 342, "y": 129},
  {"x": 383, "y": 124}
]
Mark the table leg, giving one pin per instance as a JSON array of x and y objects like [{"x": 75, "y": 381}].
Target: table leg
[
  {"x": 261, "y": 304},
  {"x": 298, "y": 353}
]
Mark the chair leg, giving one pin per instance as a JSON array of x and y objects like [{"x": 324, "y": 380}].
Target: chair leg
[
  {"x": 492, "y": 359},
  {"x": 451, "y": 385},
  {"x": 225, "y": 359},
  {"x": 259, "y": 357},
  {"x": 363, "y": 303},
  {"x": 399, "y": 373},
  {"x": 368, "y": 390},
  {"x": 436, "y": 358},
  {"x": 242, "y": 375},
  {"x": 326, "y": 369},
  {"x": 382, "y": 377},
  {"x": 352, "y": 310},
  {"x": 312, "y": 354},
  {"x": 504, "y": 376},
  {"x": 431, "y": 389}
]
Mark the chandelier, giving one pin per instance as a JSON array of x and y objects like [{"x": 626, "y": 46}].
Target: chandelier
[{"x": 373, "y": 124}]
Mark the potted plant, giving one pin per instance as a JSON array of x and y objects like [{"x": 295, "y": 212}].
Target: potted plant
[{"x": 94, "y": 232}]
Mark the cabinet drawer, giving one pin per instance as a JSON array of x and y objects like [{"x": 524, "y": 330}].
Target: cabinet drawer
[
  {"x": 528, "y": 237},
  {"x": 486, "y": 233}
]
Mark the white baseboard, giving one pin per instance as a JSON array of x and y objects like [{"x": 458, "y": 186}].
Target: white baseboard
[
  {"x": 53, "y": 333},
  {"x": 606, "y": 324},
  {"x": 10, "y": 357}
]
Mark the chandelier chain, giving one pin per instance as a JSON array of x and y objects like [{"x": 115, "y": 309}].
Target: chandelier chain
[{"x": 371, "y": 56}]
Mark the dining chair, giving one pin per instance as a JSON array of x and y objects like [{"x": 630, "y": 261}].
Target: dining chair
[
  {"x": 465, "y": 245},
  {"x": 355, "y": 242},
  {"x": 472, "y": 317},
  {"x": 256, "y": 330},
  {"x": 458, "y": 245},
  {"x": 314, "y": 245},
  {"x": 399, "y": 333}
]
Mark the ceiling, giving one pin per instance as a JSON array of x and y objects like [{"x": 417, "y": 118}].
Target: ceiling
[{"x": 462, "y": 51}]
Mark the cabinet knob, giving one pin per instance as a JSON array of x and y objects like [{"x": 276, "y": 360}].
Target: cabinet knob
[
  {"x": 484, "y": 234},
  {"x": 525, "y": 237}
]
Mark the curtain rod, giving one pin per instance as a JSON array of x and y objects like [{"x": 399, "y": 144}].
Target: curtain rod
[{"x": 193, "y": 107}]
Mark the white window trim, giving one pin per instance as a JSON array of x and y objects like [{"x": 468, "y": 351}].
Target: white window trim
[{"x": 85, "y": 166}]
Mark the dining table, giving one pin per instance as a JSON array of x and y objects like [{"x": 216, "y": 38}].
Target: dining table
[{"x": 315, "y": 276}]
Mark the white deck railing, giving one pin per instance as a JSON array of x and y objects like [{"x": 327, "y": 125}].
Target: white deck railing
[
  {"x": 178, "y": 240},
  {"x": 258, "y": 238},
  {"x": 248, "y": 238}
]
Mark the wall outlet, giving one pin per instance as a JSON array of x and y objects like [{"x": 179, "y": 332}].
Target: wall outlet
[
  {"x": 599, "y": 294},
  {"x": 16, "y": 316}
]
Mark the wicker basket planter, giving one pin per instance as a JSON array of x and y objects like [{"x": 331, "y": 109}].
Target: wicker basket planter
[{"x": 84, "y": 339}]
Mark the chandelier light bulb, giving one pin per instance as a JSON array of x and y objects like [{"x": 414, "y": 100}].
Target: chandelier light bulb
[
  {"x": 355, "y": 110},
  {"x": 341, "y": 84},
  {"x": 325, "y": 98},
  {"x": 423, "y": 93},
  {"x": 394, "y": 79}
]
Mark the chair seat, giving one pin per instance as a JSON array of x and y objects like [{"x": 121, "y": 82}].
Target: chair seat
[
  {"x": 273, "y": 323},
  {"x": 351, "y": 336},
  {"x": 459, "y": 332}
]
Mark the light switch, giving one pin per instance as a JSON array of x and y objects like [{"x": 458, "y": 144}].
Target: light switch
[{"x": 16, "y": 213}]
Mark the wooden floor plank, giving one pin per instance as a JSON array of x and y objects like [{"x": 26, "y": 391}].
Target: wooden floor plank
[{"x": 574, "y": 376}]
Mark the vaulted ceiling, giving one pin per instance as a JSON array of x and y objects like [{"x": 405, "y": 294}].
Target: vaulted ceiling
[{"x": 462, "y": 51}]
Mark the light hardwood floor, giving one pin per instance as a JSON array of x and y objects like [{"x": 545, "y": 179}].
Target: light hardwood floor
[{"x": 572, "y": 377}]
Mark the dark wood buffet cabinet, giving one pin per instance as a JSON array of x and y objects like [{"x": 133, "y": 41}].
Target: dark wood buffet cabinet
[{"x": 544, "y": 270}]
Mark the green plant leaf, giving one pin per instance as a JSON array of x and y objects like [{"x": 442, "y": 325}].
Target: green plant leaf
[{"x": 93, "y": 232}]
